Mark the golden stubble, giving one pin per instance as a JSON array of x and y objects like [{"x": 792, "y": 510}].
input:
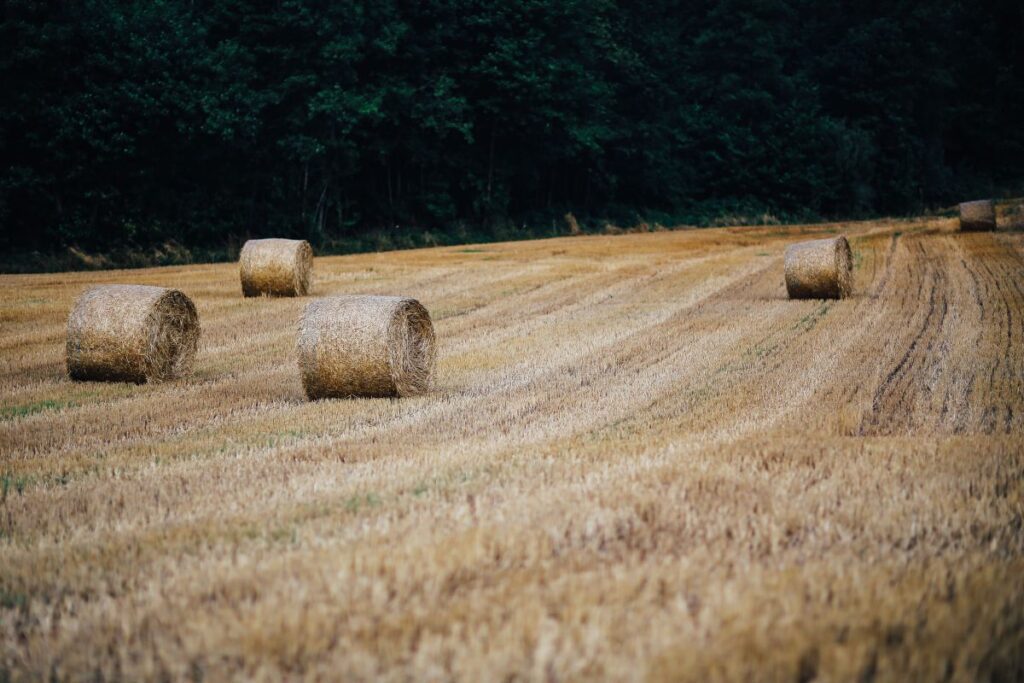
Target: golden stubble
[{"x": 638, "y": 458}]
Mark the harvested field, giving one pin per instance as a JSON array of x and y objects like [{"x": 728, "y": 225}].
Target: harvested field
[{"x": 638, "y": 458}]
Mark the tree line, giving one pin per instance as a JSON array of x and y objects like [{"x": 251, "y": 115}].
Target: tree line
[{"x": 135, "y": 122}]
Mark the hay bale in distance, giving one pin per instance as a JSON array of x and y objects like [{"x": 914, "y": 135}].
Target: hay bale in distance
[
  {"x": 131, "y": 333},
  {"x": 365, "y": 346},
  {"x": 978, "y": 215},
  {"x": 819, "y": 269},
  {"x": 276, "y": 267}
]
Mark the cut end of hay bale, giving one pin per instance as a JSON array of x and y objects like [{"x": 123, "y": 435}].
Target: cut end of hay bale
[
  {"x": 978, "y": 215},
  {"x": 276, "y": 267},
  {"x": 819, "y": 269},
  {"x": 131, "y": 333},
  {"x": 371, "y": 346}
]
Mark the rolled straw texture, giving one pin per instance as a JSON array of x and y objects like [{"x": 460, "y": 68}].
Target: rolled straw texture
[
  {"x": 365, "y": 346},
  {"x": 131, "y": 333},
  {"x": 276, "y": 267},
  {"x": 978, "y": 215},
  {"x": 819, "y": 269}
]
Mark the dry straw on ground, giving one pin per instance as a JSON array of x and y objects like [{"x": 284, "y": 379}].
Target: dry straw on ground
[
  {"x": 131, "y": 333},
  {"x": 978, "y": 215},
  {"x": 276, "y": 267},
  {"x": 819, "y": 269},
  {"x": 365, "y": 346},
  {"x": 643, "y": 466}
]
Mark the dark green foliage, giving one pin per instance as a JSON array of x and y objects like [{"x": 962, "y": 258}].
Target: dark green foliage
[{"x": 138, "y": 125}]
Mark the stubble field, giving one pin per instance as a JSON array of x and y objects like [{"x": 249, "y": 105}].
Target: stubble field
[{"x": 638, "y": 460}]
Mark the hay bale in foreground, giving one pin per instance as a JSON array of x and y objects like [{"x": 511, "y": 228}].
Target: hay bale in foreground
[
  {"x": 978, "y": 215},
  {"x": 365, "y": 346},
  {"x": 131, "y": 333},
  {"x": 819, "y": 269},
  {"x": 276, "y": 267}
]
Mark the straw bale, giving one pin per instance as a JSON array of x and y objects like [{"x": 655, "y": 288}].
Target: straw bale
[
  {"x": 978, "y": 215},
  {"x": 131, "y": 333},
  {"x": 819, "y": 269},
  {"x": 276, "y": 267},
  {"x": 365, "y": 346}
]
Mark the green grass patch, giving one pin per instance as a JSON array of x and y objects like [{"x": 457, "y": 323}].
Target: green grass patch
[
  {"x": 858, "y": 258},
  {"x": 12, "y": 599},
  {"x": 26, "y": 409},
  {"x": 284, "y": 533},
  {"x": 286, "y": 438},
  {"x": 807, "y": 323},
  {"x": 370, "y": 500},
  {"x": 762, "y": 350},
  {"x": 10, "y": 483}
]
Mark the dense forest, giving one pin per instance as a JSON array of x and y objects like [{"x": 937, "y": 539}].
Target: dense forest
[{"x": 131, "y": 124}]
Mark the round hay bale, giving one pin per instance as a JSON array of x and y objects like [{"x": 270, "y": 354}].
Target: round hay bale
[
  {"x": 131, "y": 333},
  {"x": 819, "y": 269},
  {"x": 365, "y": 346},
  {"x": 978, "y": 215},
  {"x": 276, "y": 267}
]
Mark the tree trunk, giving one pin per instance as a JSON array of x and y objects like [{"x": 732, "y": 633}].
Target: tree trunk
[{"x": 490, "y": 167}]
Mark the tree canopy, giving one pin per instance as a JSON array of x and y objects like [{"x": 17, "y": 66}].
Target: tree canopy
[{"x": 138, "y": 121}]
